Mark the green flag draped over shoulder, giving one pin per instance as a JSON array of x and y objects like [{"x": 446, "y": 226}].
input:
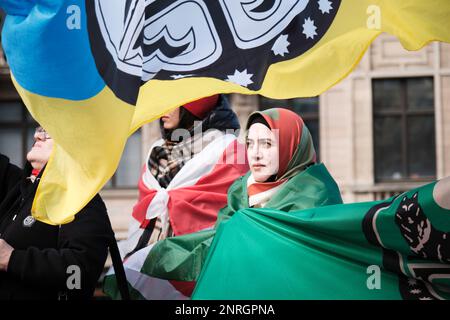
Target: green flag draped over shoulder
[
  {"x": 313, "y": 187},
  {"x": 181, "y": 258},
  {"x": 393, "y": 249}
]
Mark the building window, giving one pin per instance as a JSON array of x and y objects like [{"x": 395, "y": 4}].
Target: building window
[
  {"x": 307, "y": 108},
  {"x": 16, "y": 125},
  {"x": 404, "y": 130},
  {"x": 129, "y": 170}
]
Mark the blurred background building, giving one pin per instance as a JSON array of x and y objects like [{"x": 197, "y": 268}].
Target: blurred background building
[{"x": 383, "y": 130}]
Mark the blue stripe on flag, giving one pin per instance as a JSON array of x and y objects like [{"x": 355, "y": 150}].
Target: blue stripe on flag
[{"x": 38, "y": 45}]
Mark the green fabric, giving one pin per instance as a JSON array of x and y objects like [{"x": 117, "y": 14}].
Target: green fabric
[
  {"x": 111, "y": 288},
  {"x": 302, "y": 156},
  {"x": 324, "y": 253},
  {"x": 182, "y": 258}
]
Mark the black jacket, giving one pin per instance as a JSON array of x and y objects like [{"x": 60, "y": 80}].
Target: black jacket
[{"x": 39, "y": 264}]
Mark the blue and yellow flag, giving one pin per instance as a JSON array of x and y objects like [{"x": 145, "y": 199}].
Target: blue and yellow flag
[{"x": 92, "y": 72}]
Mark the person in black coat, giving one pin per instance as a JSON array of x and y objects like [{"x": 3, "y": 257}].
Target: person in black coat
[{"x": 42, "y": 261}]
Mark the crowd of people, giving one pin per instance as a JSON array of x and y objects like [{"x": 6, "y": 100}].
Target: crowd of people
[
  {"x": 183, "y": 191},
  {"x": 196, "y": 177}
]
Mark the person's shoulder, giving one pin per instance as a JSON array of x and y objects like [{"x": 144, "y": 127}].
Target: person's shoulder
[
  {"x": 9, "y": 171},
  {"x": 96, "y": 204},
  {"x": 4, "y": 161},
  {"x": 3, "y": 158},
  {"x": 97, "y": 200},
  {"x": 93, "y": 210},
  {"x": 325, "y": 181},
  {"x": 93, "y": 218},
  {"x": 239, "y": 185}
]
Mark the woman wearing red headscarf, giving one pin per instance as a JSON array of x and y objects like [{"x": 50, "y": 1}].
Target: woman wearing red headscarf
[{"x": 283, "y": 176}]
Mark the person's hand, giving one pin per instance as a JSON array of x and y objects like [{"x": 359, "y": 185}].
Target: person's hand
[{"x": 5, "y": 254}]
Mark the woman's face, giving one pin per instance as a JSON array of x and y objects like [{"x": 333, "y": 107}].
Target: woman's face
[
  {"x": 262, "y": 152},
  {"x": 40, "y": 152},
  {"x": 171, "y": 120}
]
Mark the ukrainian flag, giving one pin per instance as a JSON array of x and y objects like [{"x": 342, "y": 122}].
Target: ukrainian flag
[{"x": 92, "y": 72}]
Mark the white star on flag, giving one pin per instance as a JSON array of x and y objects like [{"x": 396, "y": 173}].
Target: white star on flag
[
  {"x": 325, "y": 6},
  {"x": 241, "y": 78},
  {"x": 280, "y": 45},
  {"x": 309, "y": 29}
]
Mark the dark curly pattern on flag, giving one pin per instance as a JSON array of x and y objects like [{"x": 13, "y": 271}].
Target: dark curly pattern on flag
[{"x": 229, "y": 40}]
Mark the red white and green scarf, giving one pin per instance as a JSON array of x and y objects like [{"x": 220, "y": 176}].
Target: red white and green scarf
[{"x": 296, "y": 152}]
